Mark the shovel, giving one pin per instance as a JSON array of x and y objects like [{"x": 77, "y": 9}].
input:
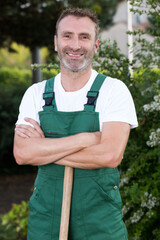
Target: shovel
[{"x": 66, "y": 203}]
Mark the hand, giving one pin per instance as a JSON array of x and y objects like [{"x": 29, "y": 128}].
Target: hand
[{"x": 27, "y": 131}]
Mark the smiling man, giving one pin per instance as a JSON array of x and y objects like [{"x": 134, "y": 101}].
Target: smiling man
[
  {"x": 80, "y": 119},
  {"x": 76, "y": 48}
]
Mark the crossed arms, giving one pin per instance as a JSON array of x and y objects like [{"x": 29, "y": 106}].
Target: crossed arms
[{"x": 83, "y": 150}]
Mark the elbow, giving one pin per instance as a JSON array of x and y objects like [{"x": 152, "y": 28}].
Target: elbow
[
  {"x": 111, "y": 161},
  {"x": 114, "y": 163},
  {"x": 19, "y": 156}
]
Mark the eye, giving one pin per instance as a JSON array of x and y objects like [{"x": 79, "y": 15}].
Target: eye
[
  {"x": 85, "y": 36},
  {"x": 67, "y": 36}
]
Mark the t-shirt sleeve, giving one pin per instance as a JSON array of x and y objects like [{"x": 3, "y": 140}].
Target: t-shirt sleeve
[
  {"x": 120, "y": 106},
  {"x": 27, "y": 107}
]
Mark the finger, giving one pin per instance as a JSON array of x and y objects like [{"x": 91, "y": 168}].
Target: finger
[
  {"x": 36, "y": 125},
  {"x": 31, "y": 129},
  {"x": 21, "y": 134},
  {"x": 27, "y": 130},
  {"x": 23, "y": 127}
]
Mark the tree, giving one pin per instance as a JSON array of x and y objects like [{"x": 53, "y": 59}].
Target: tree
[
  {"x": 155, "y": 25},
  {"x": 105, "y": 9},
  {"x": 29, "y": 22},
  {"x": 32, "y": 22}
]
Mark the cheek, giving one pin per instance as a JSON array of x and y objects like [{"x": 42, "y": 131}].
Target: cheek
[{"x": 62, "y": 46}]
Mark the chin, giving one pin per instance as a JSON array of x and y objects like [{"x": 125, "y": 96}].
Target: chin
[{"x": 76, "y": 69}]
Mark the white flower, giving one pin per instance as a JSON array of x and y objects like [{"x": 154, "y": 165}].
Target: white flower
[
  {"x": 137, "y": 216},
  {"x": 149, "y": 201},
  {"x": 154, "y": 105},
  {"x": 123, "y": 181},
  {"x": 154, "y": 138}
]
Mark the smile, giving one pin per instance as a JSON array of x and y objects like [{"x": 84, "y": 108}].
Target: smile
[{"x": 74, "y": 55}]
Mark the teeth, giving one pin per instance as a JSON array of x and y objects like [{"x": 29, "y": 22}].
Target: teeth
[{"x": 70, "y": 54}]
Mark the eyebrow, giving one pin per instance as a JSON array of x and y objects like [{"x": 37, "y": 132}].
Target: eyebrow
[
  {"x": 66, "y": 32},
  {"x": 83, "y": 33}
]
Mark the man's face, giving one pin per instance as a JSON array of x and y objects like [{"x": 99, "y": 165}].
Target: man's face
[{"x": 75, "y": 43}]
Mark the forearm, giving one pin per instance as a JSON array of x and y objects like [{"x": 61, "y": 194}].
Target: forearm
[
  {"x": 93, "y": 157},
  {"x": 83, "y": 150},
  {"x": 107, "y": 153},
  {"x": 41, "y": 151}
]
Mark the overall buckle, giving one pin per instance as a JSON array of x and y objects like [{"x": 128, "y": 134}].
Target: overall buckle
[
  {"x": 92, "y": 96},
  {"x": 48, "y": 97}
]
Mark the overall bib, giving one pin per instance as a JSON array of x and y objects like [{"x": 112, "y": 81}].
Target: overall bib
[{"x": 96, "y": 202}]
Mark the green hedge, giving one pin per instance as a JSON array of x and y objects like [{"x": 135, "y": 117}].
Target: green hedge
[
  {"x": 11, "y": 76},
  {"x": 13, "y": 84}
]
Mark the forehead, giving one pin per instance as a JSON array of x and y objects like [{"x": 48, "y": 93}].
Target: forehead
[{"x": 76, "y": 25}]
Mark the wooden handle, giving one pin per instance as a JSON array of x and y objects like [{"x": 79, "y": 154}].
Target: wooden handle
[{"x": 65, "y": 212}]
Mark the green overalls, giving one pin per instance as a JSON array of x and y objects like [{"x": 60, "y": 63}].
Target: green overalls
[{"x": 96, "y": 202}]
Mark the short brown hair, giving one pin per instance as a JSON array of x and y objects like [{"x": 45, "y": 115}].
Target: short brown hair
[{"x": 79, "y": 12}]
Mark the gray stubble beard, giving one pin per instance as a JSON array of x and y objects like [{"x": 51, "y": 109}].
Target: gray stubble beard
[{"x": 85, "y": 64}]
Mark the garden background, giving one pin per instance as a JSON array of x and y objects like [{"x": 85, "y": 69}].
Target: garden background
[{"x": 28, "y": 25}]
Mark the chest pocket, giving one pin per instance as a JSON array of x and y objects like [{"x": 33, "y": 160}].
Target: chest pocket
[{"x": 61, "y": 124}]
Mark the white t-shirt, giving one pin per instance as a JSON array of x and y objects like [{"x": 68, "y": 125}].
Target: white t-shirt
[{"x": 114, "y": 102}]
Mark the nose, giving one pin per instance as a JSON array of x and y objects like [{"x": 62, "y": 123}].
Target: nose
[{"x": 75, "y": 43}]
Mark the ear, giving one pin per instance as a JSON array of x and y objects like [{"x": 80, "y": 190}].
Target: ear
[
  {"x": 55, "y": 43},
  {"x": 96, "y": 45}
]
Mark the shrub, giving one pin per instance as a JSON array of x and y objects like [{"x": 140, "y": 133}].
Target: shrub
[
  {"x": 10, "y": 76},
  {"x": 13, "y": 84},
  {"x": 13, "y": 225}
]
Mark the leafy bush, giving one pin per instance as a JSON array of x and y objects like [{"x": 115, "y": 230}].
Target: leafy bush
[
  {"x": 49, "y": 73},
  {"x": 13, "y": 225},
  {"x": 110, "y": 61},
  {"x": 13, "y": 84},
  {"x": 10, "y": 76},
  {"x": 141, "y": 163}
]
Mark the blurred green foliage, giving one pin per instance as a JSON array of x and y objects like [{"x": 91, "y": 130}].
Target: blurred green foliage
[
  {"x": 13, "y": 84},
  {"x": 19, "y": 57},
  {"x": 13, "y": 225}
]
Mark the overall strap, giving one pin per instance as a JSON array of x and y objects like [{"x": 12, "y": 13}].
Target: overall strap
[
  {"x": 49, "y": 95},
  {"x": 92, "y": 95}
]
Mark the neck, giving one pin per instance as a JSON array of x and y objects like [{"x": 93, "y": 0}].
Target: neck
[{"x": 73, "y": 81}]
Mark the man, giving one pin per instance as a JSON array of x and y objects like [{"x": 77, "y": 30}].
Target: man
[{"x": 79, "y": 119}]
